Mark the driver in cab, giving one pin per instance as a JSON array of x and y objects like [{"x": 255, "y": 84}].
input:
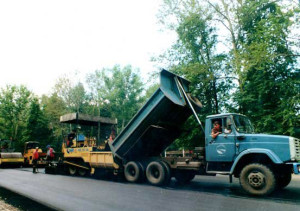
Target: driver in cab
[{"x": 216, "y": 130}]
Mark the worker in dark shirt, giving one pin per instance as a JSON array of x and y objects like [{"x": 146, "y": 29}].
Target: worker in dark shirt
[{"x": 71, "y": 137}]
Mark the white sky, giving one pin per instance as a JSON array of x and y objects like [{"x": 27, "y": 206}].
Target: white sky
[{"x": 42, "y": 40}]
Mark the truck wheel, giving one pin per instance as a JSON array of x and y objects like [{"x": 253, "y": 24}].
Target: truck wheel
[
  {"x": 283, "y": 180},
  {"x": 82, "y": 172},
  {"x": 72, "y": 170},
  {"x": 168, "y": 172},
  {"x": 257, "y": 179},
  {"x": 156, "y": 173},
  {"x": 184, "y": 177},
  {"x": 133, "y": 171}
]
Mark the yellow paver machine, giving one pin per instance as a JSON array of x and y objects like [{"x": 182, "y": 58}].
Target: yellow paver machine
[{"x": 89, "y": 151}]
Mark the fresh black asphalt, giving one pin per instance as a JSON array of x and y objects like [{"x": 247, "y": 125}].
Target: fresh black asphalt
[{"x": 203, "y": 193}]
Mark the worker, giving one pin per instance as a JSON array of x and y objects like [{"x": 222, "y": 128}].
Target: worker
[
  {"x": 35, "y": 160},
  {"x": 50, "y": 153},
  {"x": 112, "y": 134},
  {"x": 71, "y": 137},
  {"x": 216, "y": 130}
]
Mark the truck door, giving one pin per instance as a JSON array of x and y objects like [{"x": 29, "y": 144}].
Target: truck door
[{"x": 223, "y": 147}]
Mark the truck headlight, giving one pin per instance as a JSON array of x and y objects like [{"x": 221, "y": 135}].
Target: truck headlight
[{"x": 292, "y": 148}]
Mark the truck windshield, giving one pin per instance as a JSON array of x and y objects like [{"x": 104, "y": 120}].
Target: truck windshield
[{"x": 243, "y": 124}]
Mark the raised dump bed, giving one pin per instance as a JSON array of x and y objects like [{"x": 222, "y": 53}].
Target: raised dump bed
[{"x": 157, "y": 124}]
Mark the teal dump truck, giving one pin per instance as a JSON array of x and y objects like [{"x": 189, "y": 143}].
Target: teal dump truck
[{"x": 262, "y": 162}]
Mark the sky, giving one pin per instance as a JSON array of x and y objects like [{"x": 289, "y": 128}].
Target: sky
[{"x": 42, "y": 40}]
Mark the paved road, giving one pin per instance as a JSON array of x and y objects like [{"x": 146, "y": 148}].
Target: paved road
[{"x": 204, "y": 193}]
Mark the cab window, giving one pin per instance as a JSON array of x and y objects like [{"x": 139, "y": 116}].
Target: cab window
[{"x": 227, "y": 125}]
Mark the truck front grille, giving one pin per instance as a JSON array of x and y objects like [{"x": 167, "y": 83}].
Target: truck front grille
[{"x": 297, "y": 149}]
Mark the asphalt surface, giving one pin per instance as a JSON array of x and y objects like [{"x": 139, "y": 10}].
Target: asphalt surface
[{"x": 203, "y": 193}]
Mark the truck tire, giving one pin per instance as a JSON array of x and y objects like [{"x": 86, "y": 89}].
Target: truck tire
[
  {"x": 133, "y": 171},
  {"x": 283, "y": 180},
  {"x": 72, "y": 170},
  {"x": 184, "y": 177},
  {"x": 156, "y": 173},
  {"x": 257, "y": 179},
  {"x": 168, "y": 172},
  {"x": 82, "y": 172}
]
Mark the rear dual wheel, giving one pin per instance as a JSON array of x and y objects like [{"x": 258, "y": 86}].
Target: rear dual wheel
[
  {"x": 158, "y": 173},
  {"x": 133, "y": 171}
]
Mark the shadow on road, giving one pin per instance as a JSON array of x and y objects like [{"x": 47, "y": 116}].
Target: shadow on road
[
  {"x": 21, "y": 202},
  {"x": 290, "y": 195},
  {"x": 220, "y": 186}
]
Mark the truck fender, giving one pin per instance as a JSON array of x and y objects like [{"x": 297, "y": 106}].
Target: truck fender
[{"x": 267, "y": 152}]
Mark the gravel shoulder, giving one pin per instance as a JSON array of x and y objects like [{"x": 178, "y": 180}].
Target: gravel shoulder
[{"x": 5, "y": 206}]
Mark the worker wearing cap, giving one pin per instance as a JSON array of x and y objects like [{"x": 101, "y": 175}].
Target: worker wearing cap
[
  {"x": 50, "y": 153},
  {"x": 35, "y": 158}
]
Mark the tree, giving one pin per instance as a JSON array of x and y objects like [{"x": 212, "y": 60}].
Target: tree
[
  {"x": 36, "y": 127},
  {"x": 270, "y": 94},
  {"x": 73, "y": 95},
  {"x": 194, "y": 56},
  {"x": 118, "y": 91},
  {"x": 150, "y": 91},
  {"x": 54, "y": 107},
  {"x": 62, "y": 89},
  {"x": 259, "y": 65},
  {"x": 14, "y": 103},
  {"x": 78, "y": 98}
]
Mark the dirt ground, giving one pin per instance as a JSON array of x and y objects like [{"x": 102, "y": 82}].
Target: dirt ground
[{"x": 6, "y": 207}]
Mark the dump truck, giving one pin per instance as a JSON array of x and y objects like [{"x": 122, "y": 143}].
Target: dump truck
[
  {"x": 262, "y": 162},
  {"x": 7, "y": 155}
]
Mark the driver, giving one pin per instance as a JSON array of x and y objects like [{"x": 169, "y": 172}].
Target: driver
[{"x": 216, "y": 129}]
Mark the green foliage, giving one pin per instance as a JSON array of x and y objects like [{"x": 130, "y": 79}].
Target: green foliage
[
  {"x": 196, "y": 59},
  {"x": 74, "y": 97},
  {"x": 269, "y": 94},
  {"x": 78, "y": 98},
  {"x": 257, "y": 76},
  {"x": 54, "y": 107},
  {"x": 150, "y": 91},
  {"x": 14, "y": 104},
  {"x": 36, "y": 125},
  {"x": 118, "y": 91}
]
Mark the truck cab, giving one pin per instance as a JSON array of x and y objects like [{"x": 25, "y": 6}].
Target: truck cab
[{"x": 241, "y": 152}]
